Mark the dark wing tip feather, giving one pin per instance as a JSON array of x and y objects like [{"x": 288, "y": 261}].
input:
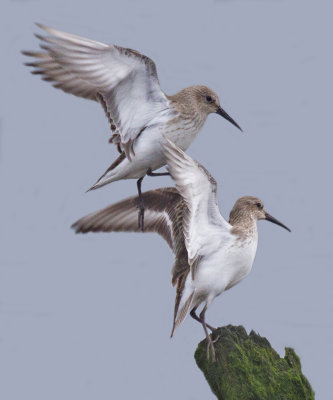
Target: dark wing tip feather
[
  {"x": 43, "y": 27},
  {"x": 29, "y": 53},
  {"x": 30, "y": 64},
  {"x": 76, "y": 227},
  {"x": 40, "y": 37},
  {"x": 164, "y": 211}
]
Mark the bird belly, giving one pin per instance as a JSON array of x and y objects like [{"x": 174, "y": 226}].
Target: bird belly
[
  {"x": 222, "y": 270},
  {"x": 240, "y": 261},
  {"x": 210, "y": 280},
  {"x": 148, "y": 152}
]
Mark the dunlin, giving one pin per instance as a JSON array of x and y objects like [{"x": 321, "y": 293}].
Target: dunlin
[
  {"x": 125, "y": 82},
  {"x": 211, "y": 254}
]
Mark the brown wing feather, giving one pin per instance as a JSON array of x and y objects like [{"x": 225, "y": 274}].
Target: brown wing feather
[
  {"x": 51, "y": 71},
  {"x": 164, "y": 209},
  {"x": 164, "y": 214},
  {"x": 179, "y": 317}
]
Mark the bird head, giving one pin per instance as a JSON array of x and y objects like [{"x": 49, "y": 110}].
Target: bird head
[
  {"x": 251, "y": 208},
  {"x": 208, "y": 102}
]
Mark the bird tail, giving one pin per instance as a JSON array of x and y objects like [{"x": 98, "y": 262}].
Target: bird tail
[
  {"x": 109, "y": 175},
  {"x": 181, "y": 314}
]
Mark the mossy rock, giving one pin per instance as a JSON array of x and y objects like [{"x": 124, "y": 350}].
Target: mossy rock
[{"x": 248, "y": 368}]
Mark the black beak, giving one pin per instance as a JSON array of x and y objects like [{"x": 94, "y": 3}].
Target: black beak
[
  {"x": 275, "y": 221},
  {"x": 223, "y": 114}
]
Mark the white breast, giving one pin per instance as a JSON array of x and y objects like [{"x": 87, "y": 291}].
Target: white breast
[
  {"x": 225, "y": 268},
  {"x": 240, "y": 261},
  {"x": 184, "y": 131}
]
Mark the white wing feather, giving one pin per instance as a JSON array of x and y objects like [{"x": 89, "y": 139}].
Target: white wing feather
[
  {"x": 198, "y": 189},
  {"x": 124, "y": 80}
]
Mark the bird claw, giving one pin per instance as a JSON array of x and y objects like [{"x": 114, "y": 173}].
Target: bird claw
[{"x": 210, "y": 347}]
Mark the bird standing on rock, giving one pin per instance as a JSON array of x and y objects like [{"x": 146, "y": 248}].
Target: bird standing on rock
[
  {"x": 211, "y": 254},
  {"x": 125, "y": 82}
]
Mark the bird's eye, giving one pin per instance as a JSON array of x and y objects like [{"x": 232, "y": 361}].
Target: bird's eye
[
  {"x": 259, "y": 205},
  {"x": 209, "y": 99}
]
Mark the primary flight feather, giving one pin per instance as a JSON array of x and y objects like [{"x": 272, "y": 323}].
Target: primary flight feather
[{"x": 126, "y": 84}]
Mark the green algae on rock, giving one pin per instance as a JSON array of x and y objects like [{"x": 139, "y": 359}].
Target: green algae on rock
[{"x": 248, "y": 368}]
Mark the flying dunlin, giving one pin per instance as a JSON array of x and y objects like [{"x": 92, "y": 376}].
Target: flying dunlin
[
  {"x": 211, "y": 254},
  {"x": 125, "y": 82}
]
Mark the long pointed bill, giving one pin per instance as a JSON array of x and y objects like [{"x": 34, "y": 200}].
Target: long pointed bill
[
  {"x": 275, "y": 221},
  {"x": 223, "y": 114}
]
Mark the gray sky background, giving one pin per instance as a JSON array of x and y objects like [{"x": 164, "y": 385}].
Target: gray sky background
[{"x": 89, "y": 317}]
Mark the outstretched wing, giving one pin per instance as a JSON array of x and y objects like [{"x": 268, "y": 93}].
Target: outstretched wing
[
  {"x": 164, "y": 210},
  {"x": 123, "y": 80},
  {"x": 198, "y": 189}
]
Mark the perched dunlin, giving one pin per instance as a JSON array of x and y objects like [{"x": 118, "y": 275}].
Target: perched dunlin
[
  {"x": 211, "y": 254},
  {"x": 125, "y": 82}
]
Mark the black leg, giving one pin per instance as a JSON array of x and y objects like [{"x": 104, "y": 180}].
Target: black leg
[
  {"x": 140, "y": 205},
  {"x": 151, "y": 173},
  {"x": 194, "y": 316},
  {"x": 119, "y": 148},
  {"x": 140, "y": 200}
]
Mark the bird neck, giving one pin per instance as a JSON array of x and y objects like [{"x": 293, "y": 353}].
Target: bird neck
[
  {"x": 186, "y": 104},
  {"x": 244, "y": 225}
]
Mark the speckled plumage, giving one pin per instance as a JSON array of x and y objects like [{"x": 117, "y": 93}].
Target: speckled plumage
[{"x": 126, "y": 84}]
